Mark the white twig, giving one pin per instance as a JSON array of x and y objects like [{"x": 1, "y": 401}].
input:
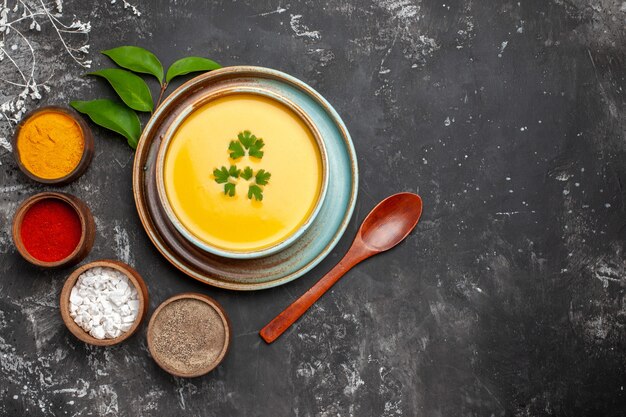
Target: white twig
[
  {"x": 82, "y": 62},
  {"x": 127, "y": 5},
  {"x": 20, "y": 22}
]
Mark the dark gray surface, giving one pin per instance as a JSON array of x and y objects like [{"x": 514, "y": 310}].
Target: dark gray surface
[{"x": 508, "y": 118}]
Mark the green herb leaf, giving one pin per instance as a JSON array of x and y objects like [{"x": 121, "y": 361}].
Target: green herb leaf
[
  {"x": 136, "y": 59},
  {"x": 190, "y": 64},
  {"x": 229, "y": 189},
  {"x": 262, "y": 177},
  {"x": 256, "y": 192},
  {"x": 234, "y": 172},
  {"x": 113, "y": 116},
  {"x": 221, "y": 175},
  {"x": 236, "y": 150},
  {"x": 247, "y": 173},
  {"x": 255, "y": 149},
  {"x": 251, "y": 143},
  {"x": 246, "y": 138},
  {"x": 131, "y": 88}
]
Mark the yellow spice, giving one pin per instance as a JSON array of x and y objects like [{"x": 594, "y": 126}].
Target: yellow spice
[{"x": 50, "y": 144}]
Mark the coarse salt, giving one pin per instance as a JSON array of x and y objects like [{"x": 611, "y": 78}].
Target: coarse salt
[{"x": 104, "y": 302}]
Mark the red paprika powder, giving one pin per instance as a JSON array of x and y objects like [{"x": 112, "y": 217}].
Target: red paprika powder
[{"x": 50, "y": 230}]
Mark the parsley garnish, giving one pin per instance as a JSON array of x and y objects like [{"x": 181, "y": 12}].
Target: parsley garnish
[
  {"x": 247, "y": 173},
  {"x": 256, "y": 192},
  {"x": 255, "y": 150},
  {"x": 229, "y": 189},
  {"x": 221, "y": 175},
  {"x": 262, "y": 177},
  {"x": 246, "y": 142},
  {"x": 236, "y": 150},
  {"x": 234, "y": 172}
]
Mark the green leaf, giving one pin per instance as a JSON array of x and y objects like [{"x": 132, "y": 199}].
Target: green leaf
[
  {"x": 234, "y": 172},
  {"x": 255, "y": 149},
  {"x": 136, "y": 59},
  {"x": 190, "y": 64},
  {"x": 229, "y": 189},
  {"x": 131, "y": 88},
  {"x": 246, "y": 138},
  {"x": 256, "y": 192},
  {"x": 247, "y": 173},
  {"x": 262, "y": 177},
  {"x": 221, "y": 175},
  {"x": 251, "y": 143},
  {"x": 114, "y": 116},
  {"x": 236, "y": 150}
]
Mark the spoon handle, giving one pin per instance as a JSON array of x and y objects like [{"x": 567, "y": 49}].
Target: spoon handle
[{"x": 292, "y": 313}]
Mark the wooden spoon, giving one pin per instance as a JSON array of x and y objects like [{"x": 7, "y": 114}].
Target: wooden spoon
[{"x": 384, "y": 227}]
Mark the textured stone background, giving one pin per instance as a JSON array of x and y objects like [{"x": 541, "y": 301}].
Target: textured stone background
[{"x": 507, "y": 117}]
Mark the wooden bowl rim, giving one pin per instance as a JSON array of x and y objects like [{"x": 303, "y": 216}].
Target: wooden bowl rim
[
  {"x": 21, "y": 211},
  {"x": 225, "y": 322},
  {"x": 88, "y": 145},
  {"x": 131, "y": 274}
]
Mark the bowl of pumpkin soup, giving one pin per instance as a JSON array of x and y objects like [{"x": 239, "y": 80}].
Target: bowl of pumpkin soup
[{"x": 242, "y": 172}]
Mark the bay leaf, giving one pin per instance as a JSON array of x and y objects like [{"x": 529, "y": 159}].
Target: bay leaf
[
  {"x": 136, "y": 59},
  {"x": 131, "y": 88},
  {"x": 114, "y": 116},
  {"x": 190, "y": 64}
]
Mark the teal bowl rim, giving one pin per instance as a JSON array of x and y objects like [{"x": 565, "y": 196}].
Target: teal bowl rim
[{"x": 188, "y": 234}]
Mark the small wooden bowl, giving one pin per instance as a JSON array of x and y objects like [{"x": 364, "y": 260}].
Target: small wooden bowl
[
  {"x": 133, "y": 276},
  {"x": 87, "y": 224},
  {"x": 225, "y": 323},
  {"x": 88, "y": 149}
]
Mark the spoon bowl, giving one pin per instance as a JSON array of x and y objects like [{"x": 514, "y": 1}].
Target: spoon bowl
[{"x": 390, "y": 222}]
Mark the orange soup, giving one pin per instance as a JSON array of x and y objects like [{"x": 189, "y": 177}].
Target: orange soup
[{"x": 226, "y": 216}]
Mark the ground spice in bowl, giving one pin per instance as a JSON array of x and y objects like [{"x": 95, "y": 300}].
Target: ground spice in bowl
[
  {"x": 51, "y": 230},
  {"x": 188, "y": 335},
  {"x": 53, "y": 145}
]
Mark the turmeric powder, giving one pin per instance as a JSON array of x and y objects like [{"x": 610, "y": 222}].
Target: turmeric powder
[{"x": 50, "y": 144}]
